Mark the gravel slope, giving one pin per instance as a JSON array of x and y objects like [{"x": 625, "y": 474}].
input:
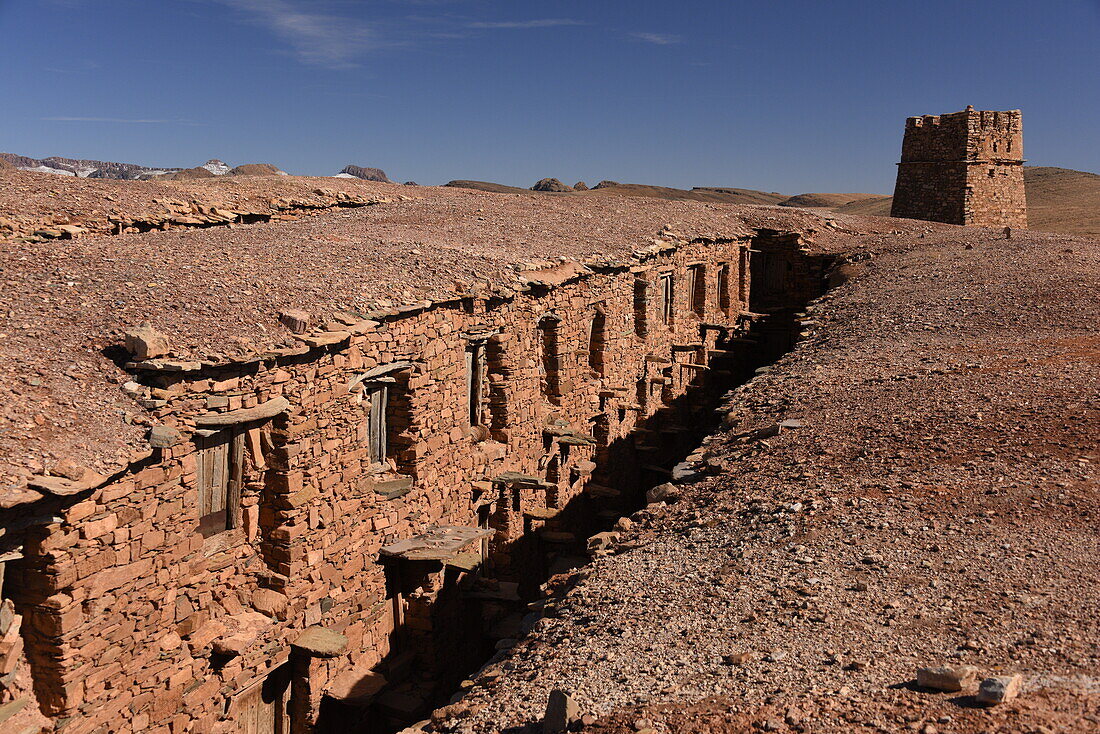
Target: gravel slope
[{"x": 939, "y": 506}]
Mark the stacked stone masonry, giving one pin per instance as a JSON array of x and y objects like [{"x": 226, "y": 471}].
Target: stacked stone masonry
[
  {"x": 963, "y": 168},
  {"x": 264, "y": 562}
]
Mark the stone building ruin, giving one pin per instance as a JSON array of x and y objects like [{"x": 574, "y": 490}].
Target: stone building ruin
[
  {"x": 963, "y": 168},
  {"x": 336, "y": 532}
]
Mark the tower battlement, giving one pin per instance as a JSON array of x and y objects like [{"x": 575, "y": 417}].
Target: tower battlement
[{"x": 963, "y": 168}]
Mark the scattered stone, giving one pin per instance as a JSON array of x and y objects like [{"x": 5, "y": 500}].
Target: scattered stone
[
  {"x": 295, "y": 320},
  {"x": 144, "y": 342},
  {"x": 601, "y": 542},
  {"x": 668, "y": 493},
  {"x": 993, "y": 691},
  {"x": 163, "y": 437},
  {"x": 945, "y": 678},
  {"x": 561, "y": 711},
  {"x": 269, "y": 602}
]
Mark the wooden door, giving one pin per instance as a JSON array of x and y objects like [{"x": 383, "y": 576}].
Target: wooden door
[
  {"x": 263, "y": 707},
  {"x": 219, "y": 477}
]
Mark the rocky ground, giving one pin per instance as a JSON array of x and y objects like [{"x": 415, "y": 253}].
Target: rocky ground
[
  {"x": 37, "y": 207},
  {"x": 937, "y": 505}
]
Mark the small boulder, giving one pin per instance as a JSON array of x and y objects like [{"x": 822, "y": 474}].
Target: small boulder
[
  {"x": 601, "y": 542},
  {"x": 561, "y": 711},
  {"x": 163, "y": 437},
  {"x": 945, "y": 678},
  {"x": 580, "y": 186},
  {"x": 270, "y": 603},
  {"x": 993, "y": 691},
  {"x": 295, "y": 320},
  {"x": 144, "y": 342},
  {"x": 72, "y": 231},
  {"x": 667, "y": 493}
]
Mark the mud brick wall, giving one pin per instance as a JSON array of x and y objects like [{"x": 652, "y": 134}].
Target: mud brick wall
[
  {"x": 134, "y": 621},
  {"x": 963, "y": 168}
]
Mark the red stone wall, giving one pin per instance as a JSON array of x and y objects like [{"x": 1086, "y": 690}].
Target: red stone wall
[{"x": 135, "y": 622}]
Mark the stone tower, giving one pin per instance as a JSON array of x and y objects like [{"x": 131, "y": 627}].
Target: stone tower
[{"x": 963, "y": 168}]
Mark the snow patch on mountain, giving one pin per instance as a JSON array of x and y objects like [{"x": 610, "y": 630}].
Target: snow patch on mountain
[
  {"x": 47, "y": 169},
  {"x": 216, "y": 167}
]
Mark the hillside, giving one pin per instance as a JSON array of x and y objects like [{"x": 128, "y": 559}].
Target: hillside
[
  {"x": 1063, "y": 200},
  {"x": 874, "y": 206},
  {"x": 700, "y": 193},
  {"x": 828, "y": 201},
  {"x": 256, "y": 169},
  {"x": 1058, "y": 200},
  {"x": 489, "y": 186}
]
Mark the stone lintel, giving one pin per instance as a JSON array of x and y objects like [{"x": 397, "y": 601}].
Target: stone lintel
[{"x": 320, "y": 642}]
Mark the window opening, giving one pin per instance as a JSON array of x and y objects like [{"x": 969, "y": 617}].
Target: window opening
[
  {"x": 666, "y": 298},
  {"x": 723, "y": 285},
  {"x": 597, "y": 342},
  {"x": 475, "y": 382},
  {"x": 698, "y": 289},
  {"x": 551, "y": 356}
]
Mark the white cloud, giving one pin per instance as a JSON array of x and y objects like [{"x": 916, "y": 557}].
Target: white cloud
[
  {"x": 107, "y": 119},
  {"x": 316, "y": 38},
  {"x": 660, "y": 39},
  {"x": 540, "y": 23}
]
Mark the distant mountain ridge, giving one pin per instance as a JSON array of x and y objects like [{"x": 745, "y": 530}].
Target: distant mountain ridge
[
  {"x": 133, "y": 171},
  {"x": 83, "y": 168},
  {"x": 365, "y": 173}
]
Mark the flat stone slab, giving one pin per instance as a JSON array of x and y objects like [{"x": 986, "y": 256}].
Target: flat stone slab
[
  {"x": 321, "y": 642},
  {"x": 356, "y": 686},
  {"x": 245, "y": 415},
  {"x": 11, "y": 708},
  {"x": 392, "y": 488},
  {"x": 437, "y": 544}
]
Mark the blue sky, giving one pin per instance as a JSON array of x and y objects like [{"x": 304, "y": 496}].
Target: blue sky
[{"x": 788, "y": 96}]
